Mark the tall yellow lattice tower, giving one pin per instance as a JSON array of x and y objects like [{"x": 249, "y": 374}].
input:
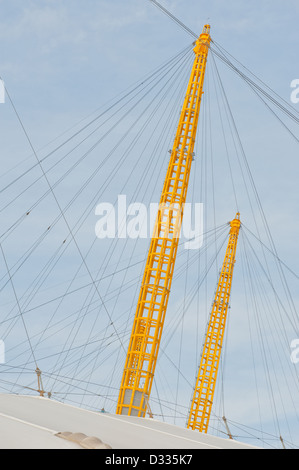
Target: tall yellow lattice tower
[{"x": 149, "y": 318}]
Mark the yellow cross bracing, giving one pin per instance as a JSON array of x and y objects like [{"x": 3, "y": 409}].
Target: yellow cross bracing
[
  {"x": 149, "y": 318},
  {"x": 203, "y": 395}
]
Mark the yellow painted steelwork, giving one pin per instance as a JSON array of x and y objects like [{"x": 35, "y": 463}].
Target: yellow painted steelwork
[
  {"x": 149, "y": 318},
  {"x": 203, "y": 395}
]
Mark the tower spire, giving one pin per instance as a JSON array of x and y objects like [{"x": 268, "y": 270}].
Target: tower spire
[{"x": 203, "y": 395}]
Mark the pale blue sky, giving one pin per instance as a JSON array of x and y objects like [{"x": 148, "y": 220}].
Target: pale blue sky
[{"x": 61, "y": 60}]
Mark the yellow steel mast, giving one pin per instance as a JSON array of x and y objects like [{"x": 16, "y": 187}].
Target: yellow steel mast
[
  {"x": 202, "y": 401},
  {"x": 149, "y": 318}
]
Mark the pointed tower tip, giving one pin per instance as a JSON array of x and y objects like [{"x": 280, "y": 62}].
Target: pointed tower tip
[
  {"x": 236, "y": 223},
  {"x": 203, "y": 40}
]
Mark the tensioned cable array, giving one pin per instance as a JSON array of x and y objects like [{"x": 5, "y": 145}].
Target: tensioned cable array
[
  {"x": 170, "y": 69},
  {"x": 75, "y": 365}
]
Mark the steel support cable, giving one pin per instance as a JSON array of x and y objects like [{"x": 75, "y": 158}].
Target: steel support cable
[
  {"x": 253, "y": 88},
  {"x": 169, "y": 404},
  {"x": 57, "y": 393},
  {"x": 203, "y": 170},
  {"x": 277, "y": 298},
  {"x": 223, "y": 58},
  {"x": 180, "y": 345},
  {"x": 249, "y": 435},
  {"x": 271, "y": 252},
  {"x": 223, "y": 134},
  {"x": 274, "y": 114},
  {"x": 271, "y": 91},
  {"x": 249, "y": 319},
  {"x": 174, "y": 18},
  {"x": 96, "y": 384},
  {"x": 214, "y": 232},
  {"x": 20, "y": 311},
  {"x": 52, "y": 355},
  {"x": 84, "y": 286},
  {"x": 59, "y": 322},
  {"x": 235, "y": 136},
  {"x": 17, "y": 265},
  {"x": 253, "y": 309},
  {"x": 88, "y": 356},
  {"x": 289, "y": 297},
  {"x": 212, "y": 159},
  {"x": 177, "y": 318},
  {"x": 241, "y": 426},
  {"x": 158, "y": 400},
  {"x": 13, "y": 320},
  {"x": 140, "y": 83}
]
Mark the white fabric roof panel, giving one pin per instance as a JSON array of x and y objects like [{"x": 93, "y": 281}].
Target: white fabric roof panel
[{"x": 28, "y": 422}]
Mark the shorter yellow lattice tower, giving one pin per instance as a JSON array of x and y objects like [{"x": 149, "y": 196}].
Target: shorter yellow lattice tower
[
  {"x": 202, "y": 401},
  {"x": 154, "y": 293}
]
